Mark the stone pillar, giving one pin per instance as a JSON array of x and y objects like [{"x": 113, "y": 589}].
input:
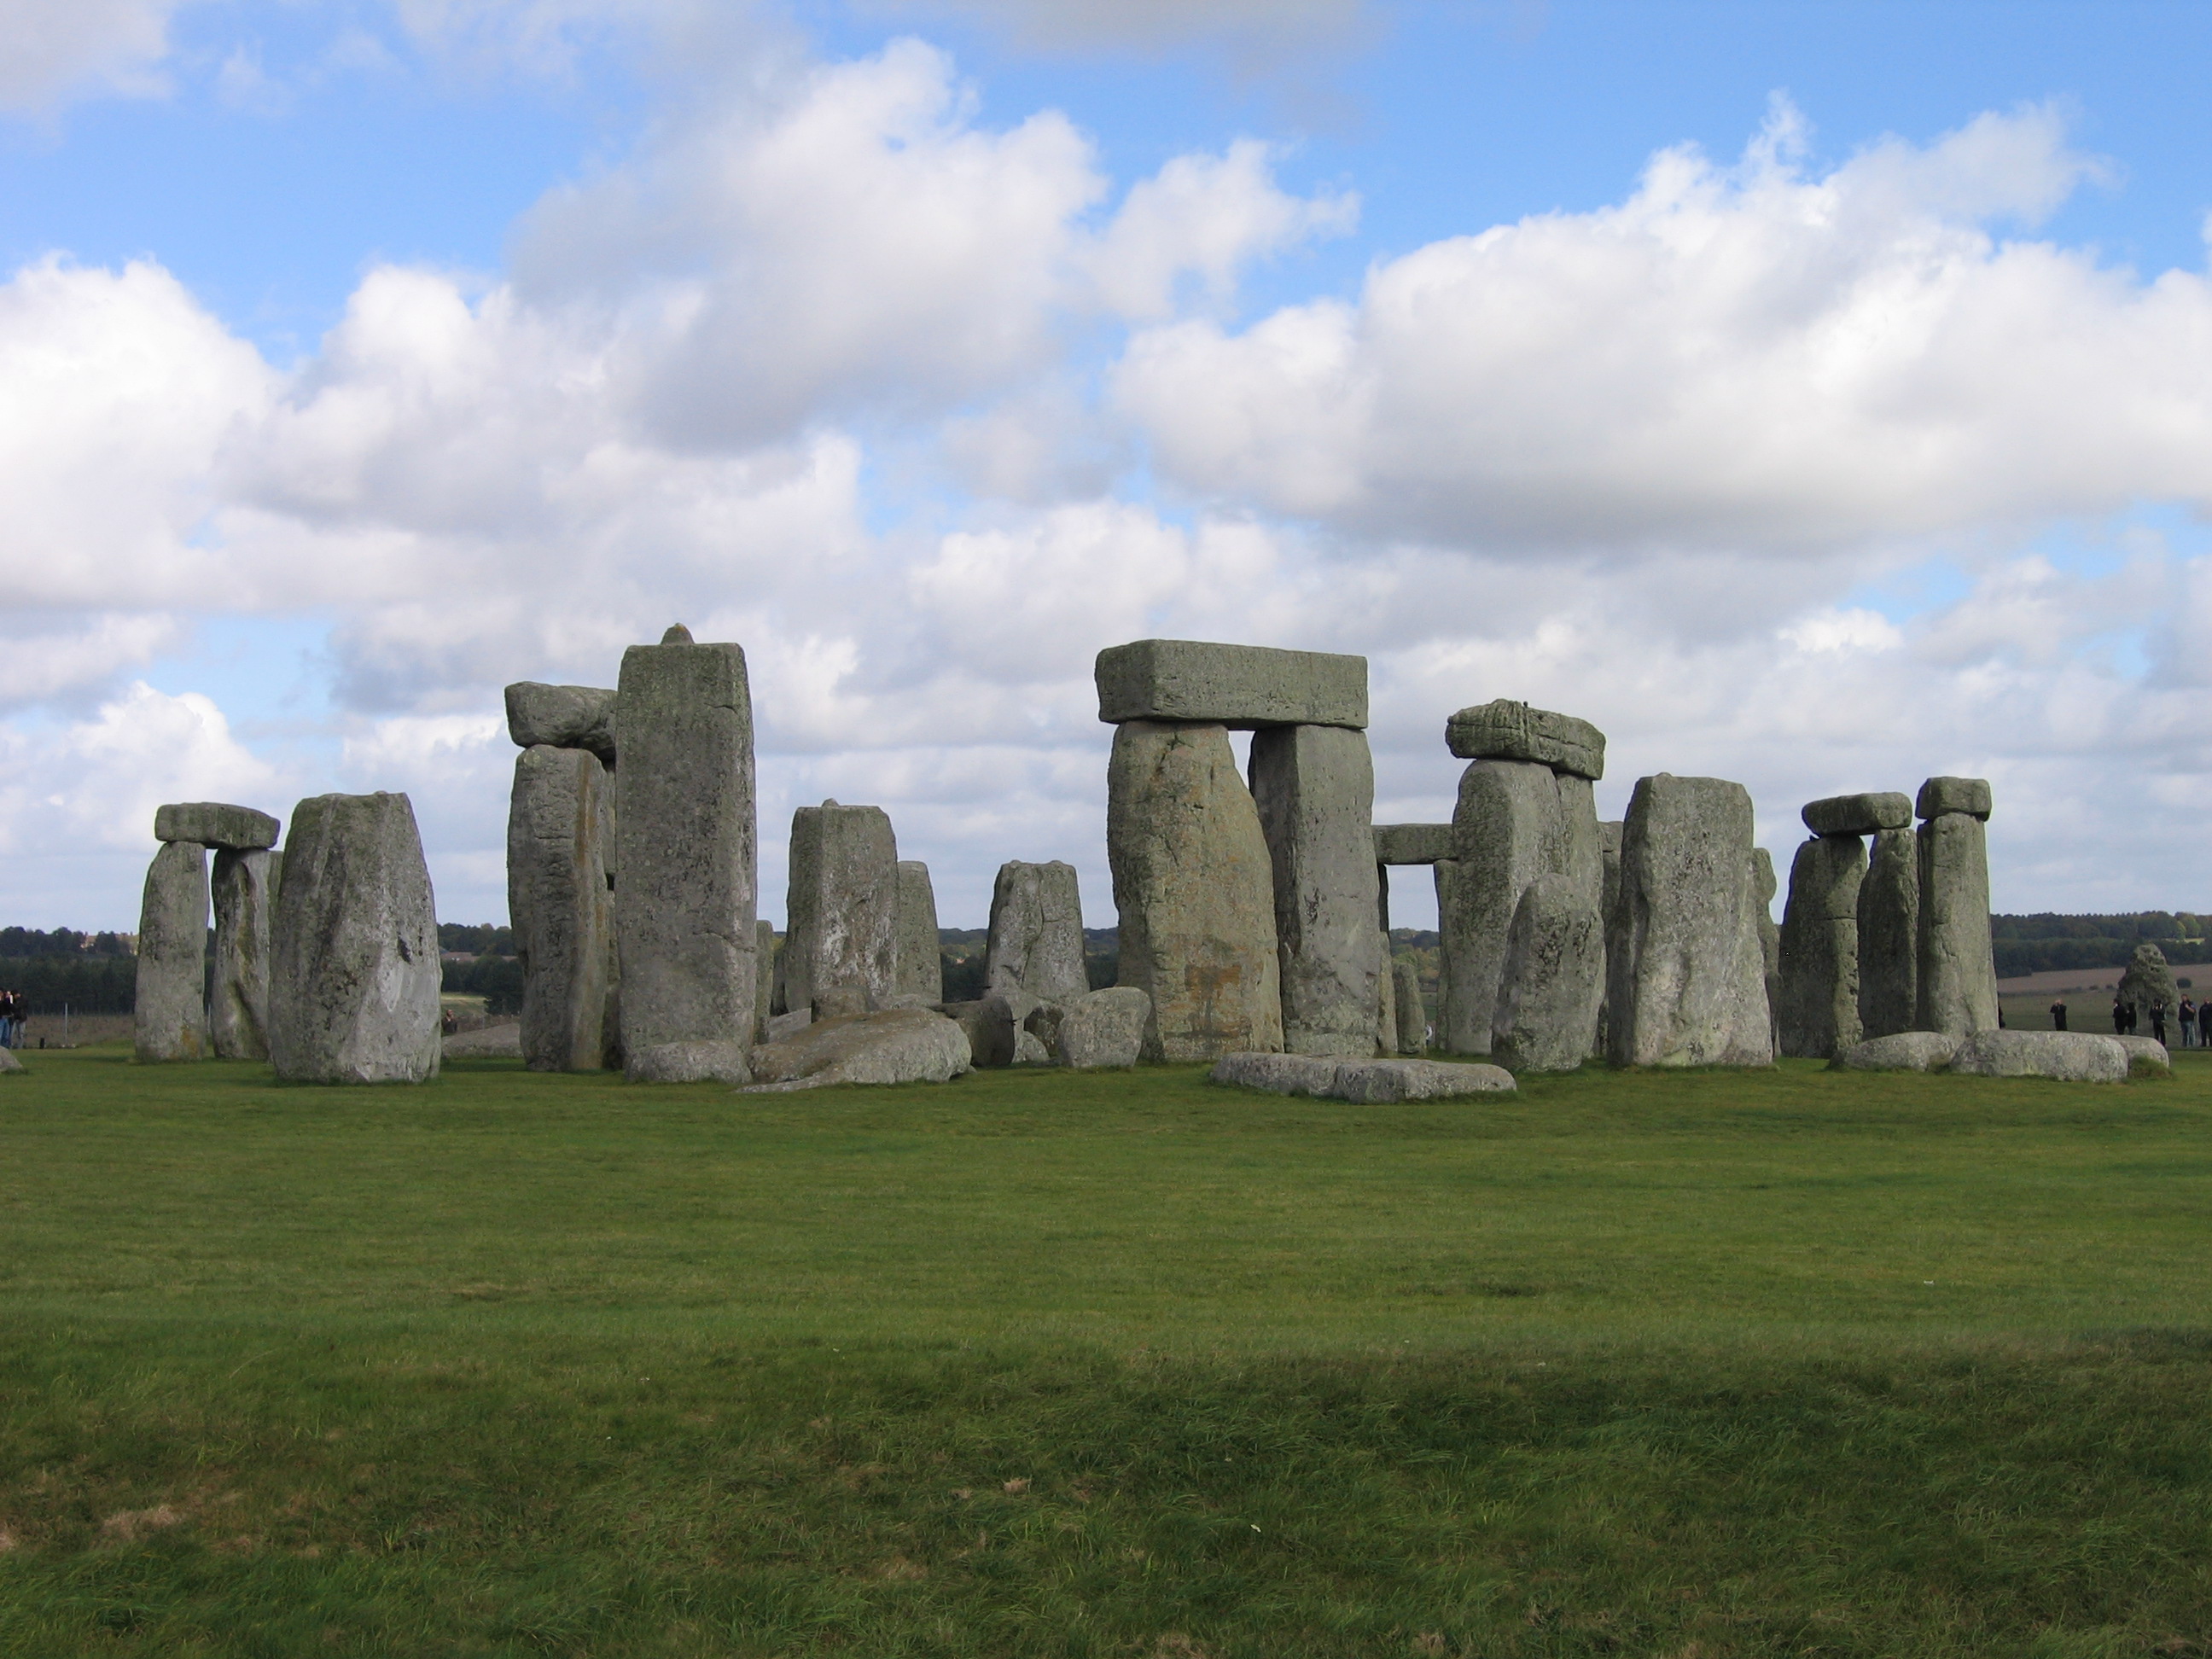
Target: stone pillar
[
  {"x": 1889, "y": 935},
  {"x": 1763, "y": 888},
  {"x": 1386, "y": 1007},
  {"x": 1194, "y": 885},
  {"x": 1819, "y": 1004},
  {"x": 1957, "y": 992},
  {"x": 685, "y": 838},
  {"x": 1412, "y": 1017},
  {"x": 559, "y": 827},
  {"x": 1687, "y": 982},
  {"x": 1035, "y": 941},
  {"x": 764, "y": 959},
  {"x": 170, "y": 1017},
  {"x": 920, "y": 970},
  {"x": 841, "y": 915},
  {"x": 1554, "y": 977},
  {"x": 237, "y": 1000},
  {"x": 1313, "y": 787},
  {"x": 354, "y": 966}
]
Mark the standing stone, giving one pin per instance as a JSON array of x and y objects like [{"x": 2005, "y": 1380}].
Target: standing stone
[
  {"x": 1386, "y": 1007},
  {"x": 170, "y": 1017},
  {"x": 1819, "y": 1003},
  {"x": 1958, "y": 989},
  {"x": 1763, "y": 886},
  {"x": 1608, "y": 841},
  {"x": 237, "y": 1001},
  {"x": 1687, "y": 983},
  {"x": 1554, "y": 977},
  {"x": 685, "y": 840},
  {"x": 1412, "y": 1017},
  {"x": 764, "y": 955},
  {"x": 842, "y": 913},
  {"x": 560, "y": 827},
  {"x": 1889, "y": 936},
  {"x": 920, "y": 970},
  {"x": 1193, "y": 883},
  {"x": 354, "y": 968},
  {"x": 1313, "y": 787},
  {"x": 2148, "y": 982},
  {"x": 1035, "y": 941}
]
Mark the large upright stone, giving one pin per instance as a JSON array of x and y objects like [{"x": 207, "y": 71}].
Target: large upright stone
[
  {"x": 1889, "y": 936},
  {"x": 686, "y": 852},
  {"x": 1315, "y": 789},
  {"x": 1687, "y": 976},
  {"x": 1763, "y": 888},
  {"x": 1506, "y": 730},
  {"x": 562, "y": 717},
  {"x": 560, "y": 830},
  {"x": 1240, "y": 686},
  {"x": 1957, "y": 988},
  {"x": 764, "y": 979},
  {"x": 1554, "y": 977},
  {"x": 169, "y": 1017},
  {"x": 1820, "y": 1009},
  {"x": 238, "y": 994},
  {"x": 213, "y": 823},
  {"x": 919, "y": 969},
  {"x": 1412, "y": 1017},
  {"x": 1194, "y": 886},
  {"x": 841, "y": 919},
  {"x": 354, "y": 968},
  {"x": 1035, "y": 941},
  {"x": 2148, "y": 982}
]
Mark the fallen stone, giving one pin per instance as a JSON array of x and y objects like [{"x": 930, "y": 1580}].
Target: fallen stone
[
  {"x": 1509, "y": 731},
  {"x": 1276, "y": 1074},
  {"x": 782, "y": 1027},
  {"x": 2145, "y": 1054},
  {"x": 1380, "y": 1082},
  {"x": 169, "y": 1015},
  {"x": 490, "y": 1042},
  {"x": 686, "y": 861},
  {"x": 237, "y": 993},
  {"x": 1858, "y": 814},
  {"x": 1412, "y": 1017},
  {"x": 1889, "y": 935},
  {"x": 842, "y": 1002},
  {"x": 1554, "y": 979},
  {"x": 1415, "y": 843},
  {"x": 2068, "y": 1056},
  {"x": 1240, "y": 686},
  {"x": 917, "y": 969},
  {"x": 1043, "y": 1023},
  {"x": 354, "y": 967},
  {"x": 1313, "y": 787},
  {"x": 211, "y": 823},
  {"x": 560, "y": 827},
  {"x": 1101, "y": 1028},
  {"x": 562, "y": 717},
  {"x": 9, "y": 1062},
  {"x": 1941, "y": 795},
  {"x": 2149, "y": 983},
  {"x": 1194, "y": 886},
  {"x": 897, "y": 1045},
  {"x": 1818, "y": 1010},
  {"x": 1901, "y": 1051},
  {"x": 841, "y": 916},
  {"x": 1035, "y": 940},
  {"x": 1029, "y": 1049},
  {"x": 1957, "y": 989}
]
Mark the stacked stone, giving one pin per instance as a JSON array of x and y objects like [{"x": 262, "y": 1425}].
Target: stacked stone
[
  {"x": 183, "y": 1013},
  {"x": 1818, "y": 1008},
  {"x": 1957, "y": 991},
  {"x": 1035, "y": 941},
  {"x": 1248, "y": 915},
  {"x": 840, "y": 943}
]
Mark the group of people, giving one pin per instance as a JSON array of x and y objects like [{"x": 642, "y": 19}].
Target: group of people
[
  {"x": 2189, "y": 1016},
  {"x": 13, "y": 1008}
]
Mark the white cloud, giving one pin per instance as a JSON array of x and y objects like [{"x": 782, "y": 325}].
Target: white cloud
[
  {"x": 1267, "y": 28},
  {"x": 57, "y": 48}
]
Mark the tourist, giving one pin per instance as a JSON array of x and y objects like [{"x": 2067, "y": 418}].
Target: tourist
[
  {"x": 2058, "y": 1014},
  {"x": 2187, "y": 1019},
  {"x": 11, "y": 1019},
  {"x": 2119, "y": 1018}
]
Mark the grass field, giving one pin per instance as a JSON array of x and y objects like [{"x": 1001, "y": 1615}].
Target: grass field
[{"x": 1692, "y": 1365}]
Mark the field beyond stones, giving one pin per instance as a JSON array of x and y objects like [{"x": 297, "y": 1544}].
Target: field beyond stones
[{"x": 1044, "y": 1362}]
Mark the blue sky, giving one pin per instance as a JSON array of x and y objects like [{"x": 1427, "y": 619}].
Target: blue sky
[{"x": 360, "y": 358}]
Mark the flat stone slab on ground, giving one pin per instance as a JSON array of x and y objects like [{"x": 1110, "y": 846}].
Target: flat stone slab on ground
[
  {"x": 1506, "y": 730},
  {"x": 2146, "y": 1053},
  {"x": 2068, "y": 1056},
  {"x": 1366, "y": 1082},
  {"x": 1415, "y": 843},
  {"x": 1967, "y": 796},
  {"x": 1903, "y": 1051},
  {"x": 899, "y": 1045},
  {"x": 563, "y": 716},
  {"x": 1858, "y": 814},
  {"x": 487, "y": 1042},
  {"x": 213, "y": 823},
  {"x": 1239, "y": 686}
]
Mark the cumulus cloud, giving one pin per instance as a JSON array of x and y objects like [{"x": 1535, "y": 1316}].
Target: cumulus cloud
[{"x": 57, "y": 48}]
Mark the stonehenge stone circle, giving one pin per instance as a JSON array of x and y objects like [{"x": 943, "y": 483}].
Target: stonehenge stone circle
[
  {"x": 1412, "y": 1017},
  {"x": 169, "y": 1019},
  {"x": 354, "y": 965},
  {"x": 1101, "y": 1028},
  {"x": 918, "y": 969},
  {"x": 1820, "y": 1005},
  {"x": 1858, "y": 814},
  {"x": 1505, "y": 730},
  {"x": 1686, "y": 975},
  {"x": 1415, "y": 843},
  {"x": 841, "y": 913},
  {"x": 237, "y": 998},
  {"x": 1035, "y": 940},
  {"x": 685, "y": 837},
  {"x": 1941, "y": 795},
  {"x": 213, "y": 823},
  {"x": 1238, "y": 686},
  {"x": 562, "y": 717},
  {"x": 1957, "y": 966},
  {"x": 560, "y": 831},
  {"x": 1194, "y": 882},
  {"x": 1313, "y": 787},
  {"x": 1553, "y": 979},
  {"x": 1889, "y": 935}
]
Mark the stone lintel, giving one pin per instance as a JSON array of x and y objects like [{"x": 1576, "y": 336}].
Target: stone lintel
[
  {"x": 1967, "y": 796},
  {"x": 212, "y": 823},
  {"x": 1415, "y": 843},
  {"x": 1858, "y": 814},
  {"x": 1506, "y": 730},
  {"x": 1243, "y": 687}
]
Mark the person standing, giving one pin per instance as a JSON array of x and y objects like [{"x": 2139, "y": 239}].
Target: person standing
[
  {"x": 2058, "y": 1014},
  {"x": 2158, "y": 1023},
  {"x": 2186, "y": 1018},
  {"x": 2119, "y": 1017}
]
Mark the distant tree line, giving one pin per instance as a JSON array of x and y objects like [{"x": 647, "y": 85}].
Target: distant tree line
[{"x": 2047, "y": 940}]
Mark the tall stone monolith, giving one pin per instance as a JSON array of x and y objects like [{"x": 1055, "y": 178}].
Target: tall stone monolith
[
  {"x": 686, "y": 870},
  {"x": 1553, "y": 979},
  {"x": 842, "y": 911},
  {"x": 1386, "y": 1007},
  {"x": 1035, "y": 941},
  {"x": 169, "y": 1017},
  {"x": 764, "y": 979},
  {"x": 1313, "y": 787},
  {"x": 1958, "y": 978},
  {"x": 560, "y": 831},
  {"x": 1820, "y": 1005},
  {"x": 1412, "y": 1017},
  {"x": 1194, "y": 885},
  {"x": 1763, "y": 889},
  {"x": 354, "y": 968},
  {"x": 2148, "y": 982},
  {"x": 919, "y": 969},
  {"x": 238, "y": 994},
  {"x": 1889, "y": 935}
]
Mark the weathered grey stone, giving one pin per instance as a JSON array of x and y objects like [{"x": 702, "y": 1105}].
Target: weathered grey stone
[
  {"x": 1957, "y": 967},
  {"x": 1688, "y": 981},
  {"x": 1769, "y": 937},
  {"x": 1276, "y": 1074},
  {"x": 992, "y": 1025},
  {"x": 1412, "y": 1017},
  {"x": 897, "y": 1045},
  {"x": 211, "y": 823},
  {"x": 764, "y": 955},
  {"x": 1608, "y": 839},
  {"x": 842, "y": 1002},
  {"x": 1889, "y": 935},
  {"x": 1035, "y": 941},
  {"x": 918, "y": 969},
  {"x": 1509, "y": 731},
  {"x": 1240, "y": 686},
  {"x": 1516, "y": 820},
  {"x": 9, "y": 1062},
  {"x": 238, "y": 996},
  {"x": 2068, "y": 1056},
  {"x": 1941, "y": 795},
  {"x": 1858, "y": 814},
  {"x": 1101, "y": 1028},
  {"x": 1194, "y": 884},
  {"x": 354, "y": 968},
  {"x": 686, "y": 861},
  {"x": 1386, "y": 1007},
  {"x": 169, "y": 1019},
  {"x": 783, "y": 1026},
  {"x": 1313, "y": 787},
  {"x": 1382, "y": 1082},
  {"x": 562, "y": 717},
  {"x": 491, "y": 1042},
  {"x": 2145, "y": 1054},
  {"x": 560, "y": 826},
  {"x": 1900, "y": 1051},
  {"x": 1554, "y": 977},
  {"x": 1415, "y": 843},
  {"x": 1818, "y": 1012},
  {"x": 1029, "y": 1049},
  {"x": 2148, "y": 982},
  {"x": 841, "y": 916}
]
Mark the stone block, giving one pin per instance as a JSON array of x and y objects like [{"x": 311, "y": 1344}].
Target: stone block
[
  {"x": 895, "y": 1045},
  {"x": 238, "y": 996},
  {"x": 1276, "y": 1074},
  {"x": 1889, "y": 935},
  {"x": 1508, "y": 731},
  {"x": 1415, "y": 843},
  {"x": 1769, "y": 937},
  {"x": 1101, "y": 1028},
  {"x": 1313, "y": 787},
  {"x": 841, "y": 917},
  {"x": 764, "y": 955},
  {"x": 781, "y": 1026},
  {"x": 1243, "y": 687},
  {"x": 169, "y": 1014},
  {"x": 1900, "y": 1051},
  {"x": 1035, "y": 940},
  {"x": 2146, "y": 1055},
  {"x": 1818, "y": 1011},
  {"x": 1384, "y": 1082},
  {"x": 1553, "y": 979},
  {"x": 1941, "y": 795},
  {"x": 2148, "y": 982},
  {"x": 1858, "y": 814},
  {"x": 211, "y": 823},
  {"x": 559, "y": 827},
  {"x": 1386, "y": 1007},
  {"x": 918, "y": 969},
  {"x": 562, "y": 717},
  {"x": 2067, "y": 1056},
  {"x": 1956, "y": 966},
  {"x": 1412, "y": 1017},
  {"x": 8, "y": 1063}
]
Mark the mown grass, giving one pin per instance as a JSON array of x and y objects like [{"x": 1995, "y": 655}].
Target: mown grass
[{"x": 1687, "y": 1364}]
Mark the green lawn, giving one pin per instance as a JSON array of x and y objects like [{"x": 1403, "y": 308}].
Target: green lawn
[{"x": 1673, "y": 1364}]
